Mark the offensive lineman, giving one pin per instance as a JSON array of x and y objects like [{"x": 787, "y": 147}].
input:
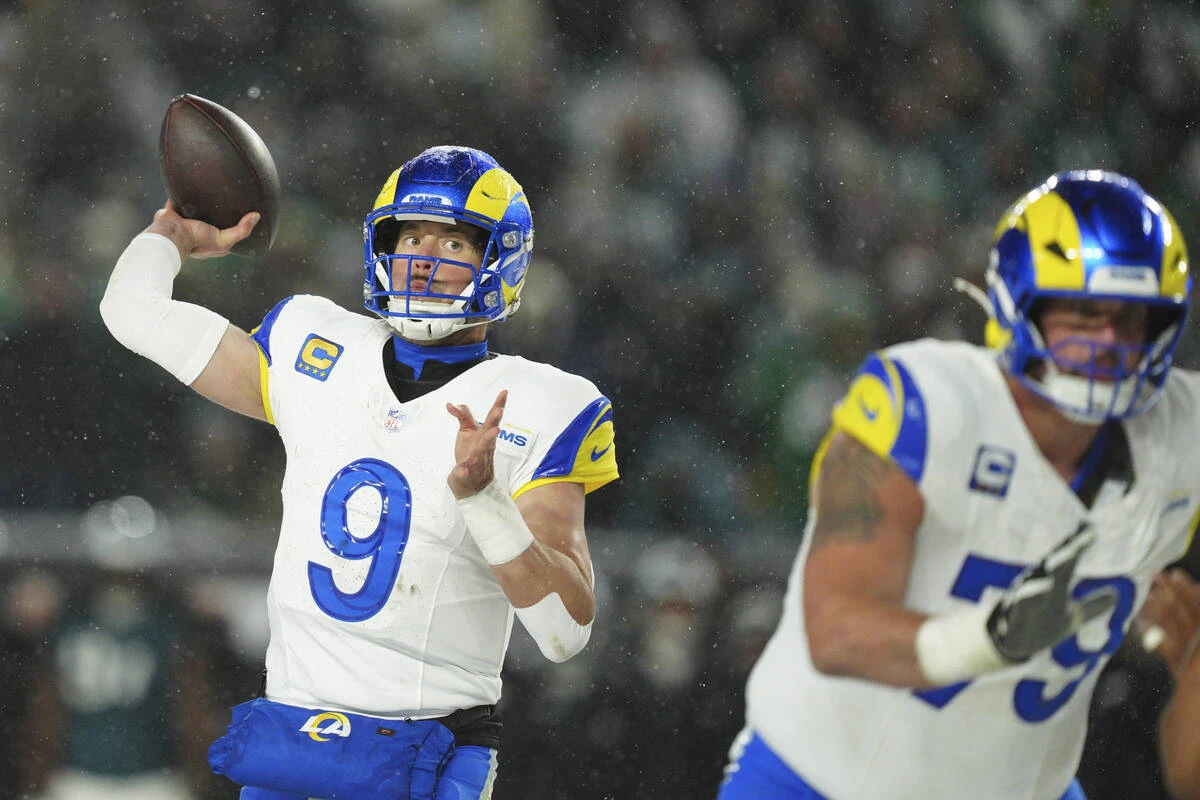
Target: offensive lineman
[
  {"x": 985, "y": 524},
  {"x": 411, "y": 531}
]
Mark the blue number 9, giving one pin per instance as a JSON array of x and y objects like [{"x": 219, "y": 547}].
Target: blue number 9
[{"x": 384, "y": 546}]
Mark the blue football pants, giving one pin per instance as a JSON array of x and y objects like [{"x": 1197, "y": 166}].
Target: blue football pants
[{"x": 468, "y": 772}]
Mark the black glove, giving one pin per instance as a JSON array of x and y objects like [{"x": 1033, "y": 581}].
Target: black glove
[{"x": 1037, "y": 610}]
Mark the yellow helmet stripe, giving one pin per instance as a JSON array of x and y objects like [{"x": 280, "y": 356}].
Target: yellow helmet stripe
[
  {"x": 387, "y": 195},
  {"x": 1057, "y": 246},
  {"x": 493, "y": 193},
  {"x": 1174, "y": 263}
]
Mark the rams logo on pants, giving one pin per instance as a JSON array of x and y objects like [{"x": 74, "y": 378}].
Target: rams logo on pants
[{"x": 328, "y": 723}]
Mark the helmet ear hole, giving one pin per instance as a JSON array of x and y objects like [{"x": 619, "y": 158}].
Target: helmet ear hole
[
  {"x": 479, "y": 237},
  {"x": 1037, "y": 310},
  {"x": 387, "y": 233},
  {"x": 1034, "y": 315},
  {"x": 1158, "y": 319}
]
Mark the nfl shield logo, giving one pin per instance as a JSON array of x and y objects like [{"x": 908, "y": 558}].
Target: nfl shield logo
[{"x": 395, "y": 419}]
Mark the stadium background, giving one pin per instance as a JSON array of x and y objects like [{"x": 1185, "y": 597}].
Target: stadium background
[{"x": 734, "y": 202}]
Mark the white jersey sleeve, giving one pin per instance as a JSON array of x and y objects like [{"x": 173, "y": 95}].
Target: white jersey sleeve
[
  {"x": 943, "y": 413},
  {"x": 380, "y": 602}
]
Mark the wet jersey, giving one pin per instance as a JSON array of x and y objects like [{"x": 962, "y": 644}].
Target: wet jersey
[
  {"x": 380, "y": 602},
  {"x": 943, "y": 413}
]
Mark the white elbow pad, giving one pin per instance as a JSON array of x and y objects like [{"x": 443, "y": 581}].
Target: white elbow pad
[
  {"x": 556, "y": 632},
  {"x": 139, "y": 312}
]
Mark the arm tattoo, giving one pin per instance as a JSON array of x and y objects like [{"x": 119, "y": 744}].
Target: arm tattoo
[{"x": 847, "y": 501}]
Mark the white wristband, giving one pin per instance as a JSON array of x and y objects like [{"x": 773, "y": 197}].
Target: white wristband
[
  {"x": 496, "y": 524},
  {"x": 139, "y": 312},
  {"x": 556, "y": 632},
  {"x": 955, "y": 647}
]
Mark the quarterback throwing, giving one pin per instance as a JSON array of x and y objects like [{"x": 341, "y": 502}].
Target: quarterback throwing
[{"x": 434, "y": 490}]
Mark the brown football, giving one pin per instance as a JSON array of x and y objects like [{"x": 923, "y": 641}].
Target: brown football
[{"x": 217, "y": 169}]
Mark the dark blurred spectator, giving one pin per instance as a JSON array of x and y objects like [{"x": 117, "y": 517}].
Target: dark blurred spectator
[
  {"x": 666, "y": 715},
  {"x": 689, "y": 482},
  {"x": 122, "y": 695},
  {"x": 790, "y": 370},
  {"x": 32, "y": 602}
]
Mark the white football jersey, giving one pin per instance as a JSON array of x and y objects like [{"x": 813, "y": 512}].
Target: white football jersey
[
  {"x": 993, "y": 505},
  {"x": 380, "y": 602}
]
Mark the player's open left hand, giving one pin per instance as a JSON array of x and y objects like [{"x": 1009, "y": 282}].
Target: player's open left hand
[
  {"x": 1037, "y": 610},
  {"x": 1169, "y": 622},
  {"x": 474, "y": 448},
  {"x": 197, "y": 239}
]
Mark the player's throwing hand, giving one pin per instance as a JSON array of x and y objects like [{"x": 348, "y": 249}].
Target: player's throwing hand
[{"x": 197, "y": 239}]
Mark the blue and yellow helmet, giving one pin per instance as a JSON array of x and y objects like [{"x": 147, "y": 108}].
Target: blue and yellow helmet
[
  {"x": 1089, "y": 235},
  {"x": 458, "y": 185}
]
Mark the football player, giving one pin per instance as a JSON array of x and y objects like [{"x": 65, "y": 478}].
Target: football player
[
  {"x": 433, "y": 489},
  {"x": 986, "y": 522}
]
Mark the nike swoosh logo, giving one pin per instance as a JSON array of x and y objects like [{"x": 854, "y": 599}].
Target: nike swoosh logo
[
  {"x": 869, "y": 413},
  {"x": 596, "y": 456}
]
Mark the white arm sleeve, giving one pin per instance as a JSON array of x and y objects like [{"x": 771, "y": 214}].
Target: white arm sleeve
[
  {"x": 556, "y": 632},
  {"x": 139, "y": 312}
]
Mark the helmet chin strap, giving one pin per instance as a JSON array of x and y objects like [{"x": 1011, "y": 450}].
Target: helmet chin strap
[
  {"x": 428, "y": 329},
  {"x": 1086, "y": 401}
]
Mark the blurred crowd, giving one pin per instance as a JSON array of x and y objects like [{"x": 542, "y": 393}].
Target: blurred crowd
[{"x": 734, "y": 202}]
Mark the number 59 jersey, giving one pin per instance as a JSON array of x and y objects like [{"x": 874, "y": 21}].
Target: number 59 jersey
[
  {"x": 943, "y": 413},
  {"x": 380, "y": 602}
]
